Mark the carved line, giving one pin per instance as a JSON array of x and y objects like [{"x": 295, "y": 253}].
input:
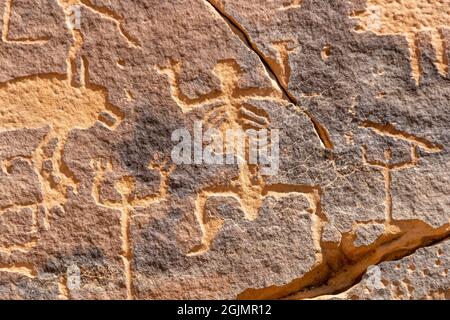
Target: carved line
[
  {"x": 228, "y": 73},
  {"x": 25, "y": 247},
  {"x": 392, "y": 166},
  {"x": 126, "y": 207},
  {"x": 185, "y": 103},
  {"x": 112, "y": 16},
  {"x": 390, "y": 131},
  {"x": 439, "y": 43},
  {"x": 283, "y": 60},
  {"x": 385, "y": 167},
  {"x": 126, "y": 249},
  {"x": 239, "y": 191}
]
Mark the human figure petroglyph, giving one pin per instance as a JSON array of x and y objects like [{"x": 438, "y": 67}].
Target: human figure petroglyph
[
  {"x": 233, "y": 110},
  {"x": 386, "y": 167},
  {"x": 228, "y": 71},
  {"x": 129, "y": 194},
  {"x": 125, "y": 186}
]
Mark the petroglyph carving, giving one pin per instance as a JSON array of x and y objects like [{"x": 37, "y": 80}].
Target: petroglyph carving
[
  {"x": 281, "y": 66},
  {"x": 40, "y": 101},
  {"x": 249, "y": 188},
  {"x": 22, "y": 269},
  {"x": 72, "y": 9},
  {"x": 228, "y": 72},
  {"x": 61, "y": 104},
  {"x": 387, "y": 167},
  {"x": 125, "y": 186},
  {"x": 409, "y": 18},
  {"x": 22, "y": 210},
  {"x": 126, "y": 226}
]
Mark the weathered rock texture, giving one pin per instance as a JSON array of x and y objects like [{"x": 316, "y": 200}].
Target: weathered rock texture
[{"x": 92, "y": 206}]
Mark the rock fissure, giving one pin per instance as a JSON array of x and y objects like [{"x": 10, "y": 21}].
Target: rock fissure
[
  {"x": 320, "y": 129},
  {"x": 325, "y": 280},
  {"x": 400, "y": 254}
]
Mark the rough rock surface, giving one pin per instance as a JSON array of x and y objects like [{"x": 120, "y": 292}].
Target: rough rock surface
[
  {"x": 422, "y": 275},
  {"x": 92, "y": 206}
]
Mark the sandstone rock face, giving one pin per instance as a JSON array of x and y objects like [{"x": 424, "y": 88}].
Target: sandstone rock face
[
  {"x": 422, "y": 275},
  {"x": 93, "y": 205}
]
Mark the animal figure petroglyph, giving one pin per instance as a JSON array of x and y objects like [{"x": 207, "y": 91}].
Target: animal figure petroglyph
[
  {"x": 409, "y": 18},
  {"x": 59, "y": 103}
]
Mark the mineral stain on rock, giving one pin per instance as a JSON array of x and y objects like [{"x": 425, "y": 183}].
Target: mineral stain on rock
[{"x": 93, "y": 207}]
